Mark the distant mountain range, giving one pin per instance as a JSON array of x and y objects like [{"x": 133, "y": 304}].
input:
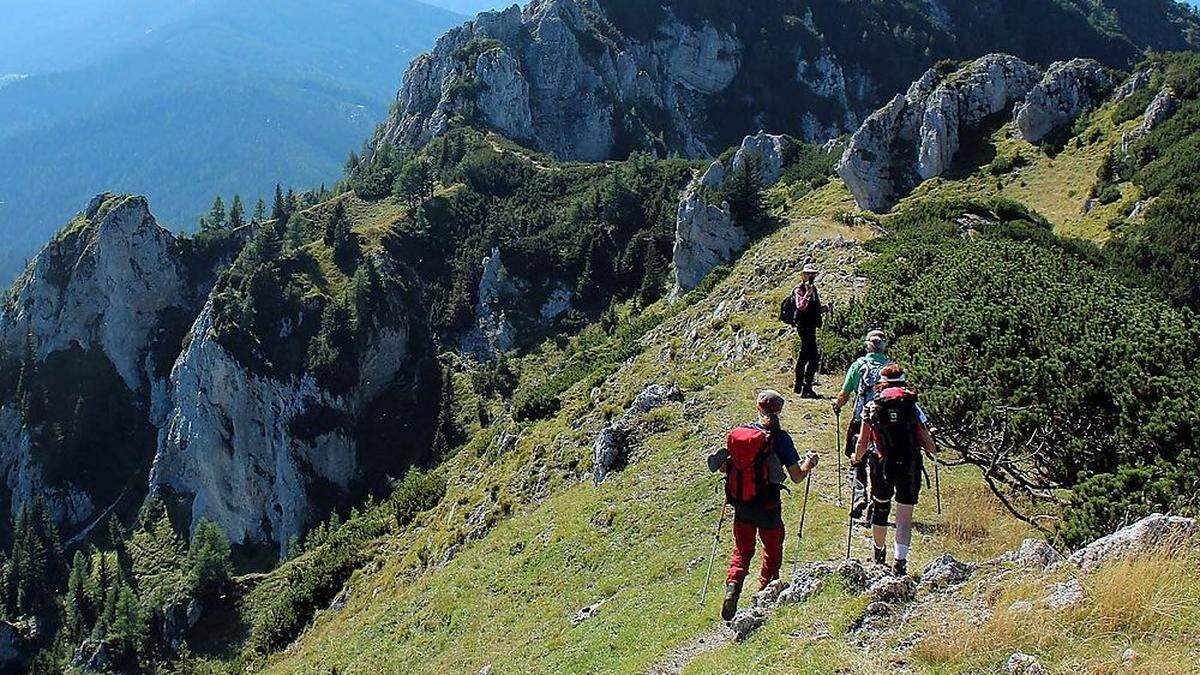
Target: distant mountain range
[{"x": 188, "y": 99}]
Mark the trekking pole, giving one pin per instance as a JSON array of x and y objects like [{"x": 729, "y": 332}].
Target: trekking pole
[
  {"x": 800, "y": 533},
  {"x": 937, "y": 485},
  {"x": 712, "y": 558},
  {"x": 837, "y": 449}
]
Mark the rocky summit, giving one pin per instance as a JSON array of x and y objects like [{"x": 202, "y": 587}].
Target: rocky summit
[{"x": 595, "y": 79}]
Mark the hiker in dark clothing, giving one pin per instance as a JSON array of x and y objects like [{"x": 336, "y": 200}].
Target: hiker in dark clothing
[
  {"x": 802, "y": 309},
  {"x": 756, "y": 461},
  {"x": 894, "y": 435}
]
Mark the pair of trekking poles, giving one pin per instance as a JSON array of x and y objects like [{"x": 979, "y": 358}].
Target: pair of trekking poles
[
  {"x": 712, "y": 558},
  {"x": 856, "y": 485},
  {"x": 837, "y": 450}
]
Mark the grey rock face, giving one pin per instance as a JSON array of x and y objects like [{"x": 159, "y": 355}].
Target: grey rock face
[
  {"x": 705, "y": 234},
  {"x": 1146, "y": 534},
  {"x": 917, "y": 135},
  {"x": 1066, "y": 91},
  {"x": 1158, "y": 111},
  {"x": 1034, "y": 553},
  {"x": 610, "y": 444},
  {"x": 1136, "y": 82},
  {"x": 227, "y": 442},
  {"x": 537, "y": 80},
  {"x": 1065, "y": 595},
  {"x": 100, "y": 284}
]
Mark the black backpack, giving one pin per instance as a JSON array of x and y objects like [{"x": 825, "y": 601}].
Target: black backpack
[{"x": 894, "y": 417}]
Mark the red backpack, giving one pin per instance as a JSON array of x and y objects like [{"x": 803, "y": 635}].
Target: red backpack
[{"x": 747, "y": 475}]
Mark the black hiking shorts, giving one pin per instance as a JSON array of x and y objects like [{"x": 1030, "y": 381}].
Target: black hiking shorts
[{"x": 899, "y": 480}]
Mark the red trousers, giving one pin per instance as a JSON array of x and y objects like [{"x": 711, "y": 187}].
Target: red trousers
[{"x": 743, "y": 553}]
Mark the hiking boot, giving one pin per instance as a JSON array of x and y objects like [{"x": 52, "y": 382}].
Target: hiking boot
[
  {"x": 809, "y": 393},
  {"x": 881, "y": 556},
  {"x": 900, "y": 568},
  {"x": 729, "y": 607}
]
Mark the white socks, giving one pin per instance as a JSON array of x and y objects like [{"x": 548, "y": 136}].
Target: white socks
[{"x": 901, "y": 551}]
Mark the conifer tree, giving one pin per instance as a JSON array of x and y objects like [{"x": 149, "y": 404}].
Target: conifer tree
[
  {"x": 279, "y": 209},
  {"x": 216, "y": 215},
  {"x": 260, "y": 210},
  {"x": 237, "y": 213}
]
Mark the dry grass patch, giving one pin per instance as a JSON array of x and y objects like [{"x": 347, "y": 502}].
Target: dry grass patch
[{"x": 1150, "y": 604}]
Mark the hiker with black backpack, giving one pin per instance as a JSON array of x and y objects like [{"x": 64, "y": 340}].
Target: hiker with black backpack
[
  {"x": 802, "y": 309},
  {"x": 756, "y": 460},
  {"x": 895, "y": 433},
  {"x": 861, "y": 379}
]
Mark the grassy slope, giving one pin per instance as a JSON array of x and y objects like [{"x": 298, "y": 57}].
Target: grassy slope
[
  {"x": 1058, "y": 185},
  {"x": 638, "y": 541},
  {"x": 533, "y": 541}
]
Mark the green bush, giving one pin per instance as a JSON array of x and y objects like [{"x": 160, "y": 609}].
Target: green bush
[{"x": 1035, "y": 360}]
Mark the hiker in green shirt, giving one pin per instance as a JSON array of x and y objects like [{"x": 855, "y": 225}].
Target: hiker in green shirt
[{"x": 861, "y": 378}]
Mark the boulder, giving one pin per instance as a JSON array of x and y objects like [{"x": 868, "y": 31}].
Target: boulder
[
  {"x": 705, "y": 234},
  {"x": 892, "y": 590},
  {"x": 747, "y": 621},
  {"x": 1145, "y": 535},
  {"x": 15, "y": 650},
  {"x": 1024, "y": 664},
  {"x": 1034, "y": 553},
  {"x": 1068, "y": 89},
  {"x": 945, "y": 571},
  {"x": 1065, "y": 595},
  {"x": 918, "y": 134}
]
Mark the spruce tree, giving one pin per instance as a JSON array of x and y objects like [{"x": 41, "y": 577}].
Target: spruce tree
[
  {"x": 279, "y": 209},
  {"x": 216, "y": 215},
  {"x": 260, "y": 210},
  {"x": 237, "y": 213}
]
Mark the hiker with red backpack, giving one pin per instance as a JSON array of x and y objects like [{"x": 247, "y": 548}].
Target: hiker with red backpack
[
  {"x": 802, "y": 309},
  {"x": 756, "y": 460},
  {"x": 894, "y": 435}
]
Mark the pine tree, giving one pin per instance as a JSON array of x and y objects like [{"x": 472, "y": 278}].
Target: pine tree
[
  {"x": 291, "y": 203},
  {"x": 279, "y": 209},
  {"x": 260, "y": 210},
  {"x": 208, "y": 563},
  {"x": 340, "y": 237},
  {"x": 216, "y": 215},
  {"x": 743, "y": 191},
  {"x": 237, "y": 213},
  {"x": 77, "y": 606}
]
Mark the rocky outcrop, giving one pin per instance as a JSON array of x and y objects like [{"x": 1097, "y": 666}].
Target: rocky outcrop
[
  {"x": 538, "y": 75},
  {"x": 1147, "y": 534},
  {"x": 24, "y": 479},
  {"x": 493, "y": 333},
  {"x": 705, "y": 233},
  {"x": 102, "y": 282},
  {"x": 15, "y": 650},
  {"x": 553, "y": 76},
  {"x": 248, "y": 452},
  {"x": 1136, "y": 82},
  {"x": 612, "y": 443},
  {"x": 917, "y": 135},
  {"x": 1067, "y": 90},
  {"x": 1158, "y": 111}
]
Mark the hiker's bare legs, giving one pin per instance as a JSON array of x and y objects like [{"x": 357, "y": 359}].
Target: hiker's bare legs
[
  {"x": 904, "y": 527},
  {"x": 879, "y": 521}
]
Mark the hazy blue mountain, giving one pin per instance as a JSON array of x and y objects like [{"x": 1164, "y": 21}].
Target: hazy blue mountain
[
  {"x": 472, "y": 7},
  {"x": 218, "y": 96}
]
